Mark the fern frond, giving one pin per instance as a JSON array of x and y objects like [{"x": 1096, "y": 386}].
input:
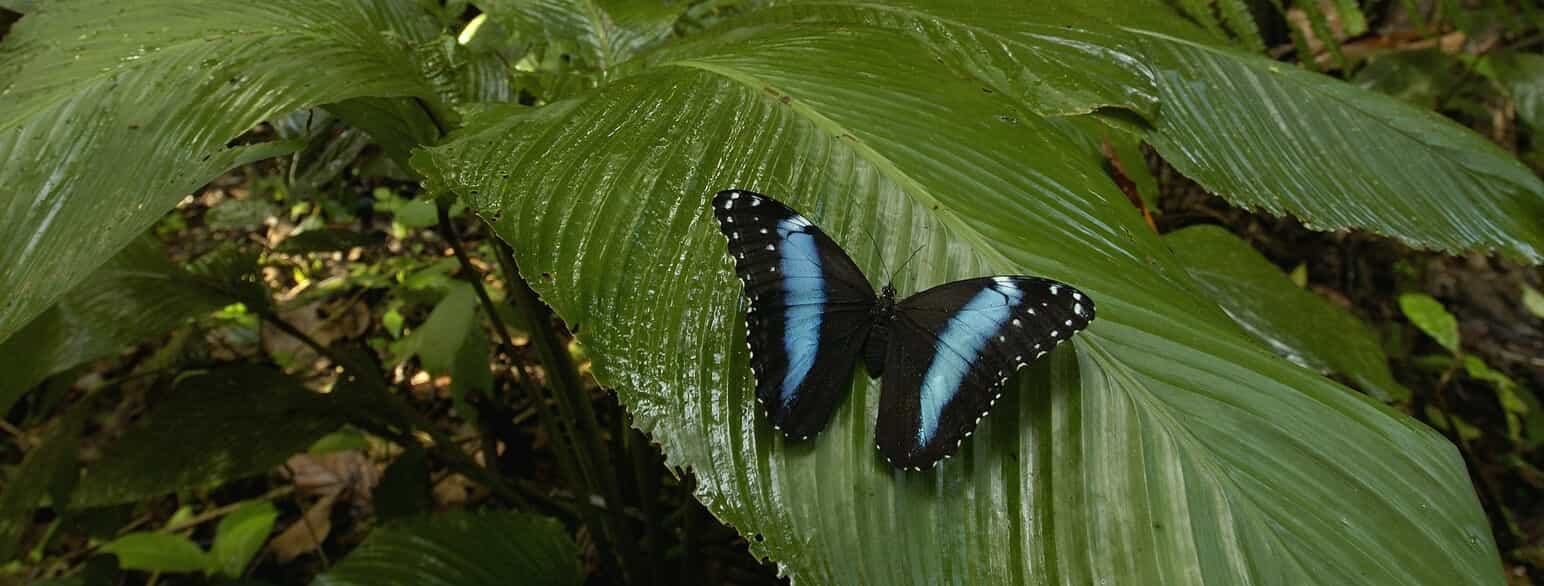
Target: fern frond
[{"x": 1235, "y": 14}]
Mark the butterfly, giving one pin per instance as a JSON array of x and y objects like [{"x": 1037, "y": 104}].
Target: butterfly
[{"x": 945, "y": 354}]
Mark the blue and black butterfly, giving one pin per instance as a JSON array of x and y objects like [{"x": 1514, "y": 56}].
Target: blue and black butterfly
[{"x": 948, "y": 350}]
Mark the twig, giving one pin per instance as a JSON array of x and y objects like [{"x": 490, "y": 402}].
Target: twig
[
  {"x": 442, "y": 444},
  {"x": 294, "y": 332},
  {"x": 305, "y": 519},
  {"x": 222, "y": 511},
  {"x": 21, "y": 437}
]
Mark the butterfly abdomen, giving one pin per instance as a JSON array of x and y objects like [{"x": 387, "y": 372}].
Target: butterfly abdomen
[
  {"x": 878, "y": 341},
  {"x": 874, "y": 349}
]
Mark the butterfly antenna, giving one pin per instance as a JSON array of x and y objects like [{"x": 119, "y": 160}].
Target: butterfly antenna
[
  {"x": 879, "y": 253},
  {"x": 909, "y": 257}
]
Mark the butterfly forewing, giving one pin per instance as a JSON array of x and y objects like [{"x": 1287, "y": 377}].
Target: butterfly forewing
[
  {"x": 952, "y": 349},
  {"x": 809, "y": 309}
]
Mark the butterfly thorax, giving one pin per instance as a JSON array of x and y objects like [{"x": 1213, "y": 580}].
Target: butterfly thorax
[{"x": 878, "y": 341}]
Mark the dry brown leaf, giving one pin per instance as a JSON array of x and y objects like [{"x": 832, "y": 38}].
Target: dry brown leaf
[
  {"x": 307, "y": 533},
  {"x": 453, "y": 490},
  {"x": 325, "y": 321},
  {"x": 333, "y": 474}
]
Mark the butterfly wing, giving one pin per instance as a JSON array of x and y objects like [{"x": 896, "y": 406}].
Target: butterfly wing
[
  {"x": 952, "y": 349},
  {"x": 809, "y": 309}
]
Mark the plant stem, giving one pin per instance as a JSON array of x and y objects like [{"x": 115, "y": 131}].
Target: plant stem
[
  {"x": 689, "y": 562},
  {"x": 572, "y": 399},
  {"x": 472, "y": 276},
  {"x": 646, "y": 474}
]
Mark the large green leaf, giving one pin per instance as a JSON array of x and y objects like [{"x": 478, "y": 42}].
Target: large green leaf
[
  {"x": 217, "y": 426},
  {"x": 606, "y": 32},
  {"x": 136, "y": 295},
  {"x": 1295, "y": 323},
  {"x": 1523, "y": 76},
  {"x": 1260, "y": 133},
  {"x": 106, "y": 122},
  {"x": 1051, "y": 55},
  {"x": 461, "y": 548},
  {"x": 1267, "y": 135},
  {"x": 1163, "y": 446}
]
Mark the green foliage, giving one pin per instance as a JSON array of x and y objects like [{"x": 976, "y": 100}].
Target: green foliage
[
  {"x": 1133, "y": 428},
  {"x": 106, "y": 131},
  {"x": 1522, "y": 76},
  {"x": 1237, "y": 125},
  {"x": 340, "y": 441},
  {"x": 1431, "y": 317},
  {"x": 238, "y": 214},
  {"x": 605, "y": 34},
  {"x": 1163, "y": 446},
  {"x": 326, "y": 240},
  {"x": 239, "y": 536},
  {"x": 404, "y": 488},
  {"x": 136, "y": 295},
  {"x": 157, "y": 552},
  {"x": 48, "y": 471},
  {"x": 1534, "y": 301},
  {"x": 1292, "y": 322},
  {"x": 461, "y": 549},
  {"x": 216, "y": 426},
  {"x": 1513, "y": 407},
  {"x": 1420, "y": 77}
]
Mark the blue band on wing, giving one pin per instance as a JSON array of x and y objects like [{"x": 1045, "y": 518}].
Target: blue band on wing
[
  {"x": 804, "y": 295},
  {"x": 966, "y": 334}
]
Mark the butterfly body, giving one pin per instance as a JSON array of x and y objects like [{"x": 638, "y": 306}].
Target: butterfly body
[
  {"x": 879, "y": 334},
  {"x": 944, "y": 354}
]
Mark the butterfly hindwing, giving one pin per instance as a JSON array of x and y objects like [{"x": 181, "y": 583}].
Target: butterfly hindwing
[
  {"x": 809, "y": 309},
  {"x": 952, "y": 349}
]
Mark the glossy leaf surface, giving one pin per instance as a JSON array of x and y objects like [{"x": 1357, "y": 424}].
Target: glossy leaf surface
[
  {"x": 106, "y": 122},
  {"x": 1163, "y": 446},
  {"x": 1295, "y": 323}
]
